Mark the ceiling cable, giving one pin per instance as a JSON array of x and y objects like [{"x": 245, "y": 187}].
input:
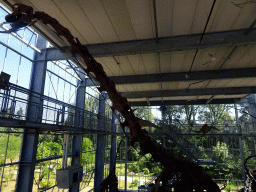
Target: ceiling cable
[{"x": 201, "y": 37}]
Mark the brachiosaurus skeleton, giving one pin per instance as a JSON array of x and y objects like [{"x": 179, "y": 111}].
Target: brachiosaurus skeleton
[{"x": 193, "y": 176}]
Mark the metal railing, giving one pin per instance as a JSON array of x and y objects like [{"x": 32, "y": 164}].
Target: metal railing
[{"x": 15, "y": 101}]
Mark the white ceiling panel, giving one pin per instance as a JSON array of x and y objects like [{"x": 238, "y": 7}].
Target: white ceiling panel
[
  {"x": 246, "y": 16},
  {"x": 110, "y": 64},
  {"x": 165, "y": 59},
  {"x": 104, "y": 21},
  {"x": 239, "y": 53},
  {"x": 183, "y": 14},
  {"x": 245, "y": 82},
  {"x": 96, "y": 13},
  {"x": 142, "y": 18},
  {"x": 164, "y": 11},
  {"x": 125, "y": 65},
  {"x": 137, "y": 64},
  {"x": 170, "y": 85},
  {"x": 180, "y": 98},
  {"x": 204, "y": 97},
  {"x": 151, "y": 62},
  {"x": 228, "y": 11},
  {"x": 80, "y": 21},
  {"x": 189, "y": 55},
  {"x": 119, "y": 16},
  {"x": 248, "y": 58},
  {"x": 176, "y": 61},
  {"x": 203, "y": 8},
  {"x": 229, "y": 96}
]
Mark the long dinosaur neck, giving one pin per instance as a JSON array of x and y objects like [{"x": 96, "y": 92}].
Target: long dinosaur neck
[{"x": 120, "y": 103}]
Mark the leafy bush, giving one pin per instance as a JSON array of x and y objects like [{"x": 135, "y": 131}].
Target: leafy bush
[
  {"x": 146, "y": 171},
  {"x": 89, "y": 157},
  {"x": 134, "y": 168},
  {"x": 135, "y": 183},
  {"x": 44, "y": 185},
  {"x": 230, "y": 186},
  {"x": 47, "y": 149}
]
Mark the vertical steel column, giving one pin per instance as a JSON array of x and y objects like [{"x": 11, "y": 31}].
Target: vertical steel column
[
  {"x": 194, "y": 122},
  {"x": 29, "y": 144},
  {"x": 252, "y": 109},
  {"x": 99, "y": 159},
  {"x": 113, "y": 146},
  {"x": 126, "y": 160},
  {"x": 65, "y": 152},
  {"x": 163, "y": 110},
  {"x": 79, "y": 117},
  {"x": 240, "y": 142}
]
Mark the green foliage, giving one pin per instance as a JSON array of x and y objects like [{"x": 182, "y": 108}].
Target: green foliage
[
  {"x": 42, "y": 180},
  {"x": 134, "y": 168},
  {"x": 8, "y": 176},
  {"x": 13, "y": 146},
  {"x": 146, "y": 171},
  {"x": 91, "y": 104},
  {"x": 143, "y": 112},
  {"x": 214, "y": 114},
  {"x": 44, "y": 185},
  {"x": 231, "y": 186},
  {"x": 47, "y": 149},
  {"x": 89, "y": 157},
  {"x": 135, "y": 183}
]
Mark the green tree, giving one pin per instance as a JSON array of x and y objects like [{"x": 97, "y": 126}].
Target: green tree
[
  {"x": 143, "y": 112},
  {"x": 88, "y": 156},
  {"x": 92, "y": 104},
  {"x": 215, "y": 114},
  {"x": 13, "y": 149},
  {"x": 47, "y": 149}
]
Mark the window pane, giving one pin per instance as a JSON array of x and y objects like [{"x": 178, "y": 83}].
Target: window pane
[
  {"x": 21, "y": 32},
  {"x": 24, "y": 73},
  {"x": 11, "y": 65},
  {"x": 27, "y": 51},
  {"x": 2, "y": 56},
  {"x": 4, "y": 37},
  {"x": 15, "y": 44}
]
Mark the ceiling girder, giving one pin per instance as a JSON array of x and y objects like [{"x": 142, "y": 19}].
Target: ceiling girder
[
  {"x": 184, "y": 102},
  {"x": 190, "y": 92},
  {"x": 166, "y": 44},
  {"x": 169, "y": 77}
]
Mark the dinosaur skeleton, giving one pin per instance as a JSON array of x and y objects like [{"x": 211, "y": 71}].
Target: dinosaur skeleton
[{"x": 193, "y": 176}]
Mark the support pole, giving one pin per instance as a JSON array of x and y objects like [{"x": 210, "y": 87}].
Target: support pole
[
  {"x": 79, "y": 117},
  {"x": 163, "y": 110},
  {"x": 252, "y": 110},
  {"x": 113, "y": 147},
  {"x": 65, "y": 152},
  {"x": 99, "y": 163},
  {"x": 34, "y": 112},
  {"x": 194, "y": 122},
  {"x": 240, "y": 142},
  {"x": 126, "y": 159}
]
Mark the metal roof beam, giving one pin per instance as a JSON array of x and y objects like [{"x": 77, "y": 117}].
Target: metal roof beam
[
  {"x": 194, "y": 76},
  {"x": 166, "y": 44},
  {"x": 184, "y": 102},
  {"x": 190, "y": 92}
]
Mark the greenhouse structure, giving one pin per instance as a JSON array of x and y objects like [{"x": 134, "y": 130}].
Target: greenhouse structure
[{"x": 127, "y": 95}]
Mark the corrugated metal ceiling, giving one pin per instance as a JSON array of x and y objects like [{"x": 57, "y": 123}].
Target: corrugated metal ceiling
[{"x": 103, "y": 21}]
